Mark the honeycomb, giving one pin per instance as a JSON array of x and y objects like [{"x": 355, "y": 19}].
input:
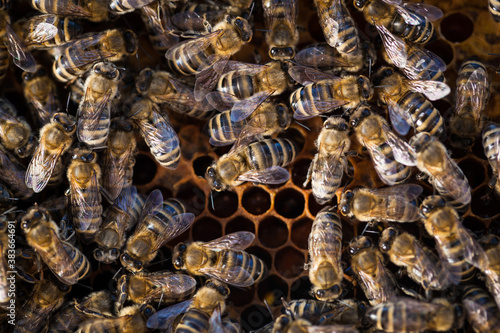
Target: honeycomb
[{"x": 281, "y": 216}]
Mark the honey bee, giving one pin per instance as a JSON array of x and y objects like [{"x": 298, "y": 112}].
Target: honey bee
[
  {"x": 367, "y": 263},
  {"x": 156, "y": 130},
  {"x": 282, "y": 35},
  {"x": 13, "y": 174},
  {"x": 491, "y": 245},
  {"x": 494, "y": 8},
  {"x": 244, "y": 80},
  {"x": 482, "y": 312},
  {"x": 267, "y": 119},
  {"x": 84, "y": 176},
  {"x": 408, "y": 103},
  {"x": 192, "y": 56},
  {"x": 421, "y": 265},
  {"x": 93, "y": 10},
  {"x": 373, "y": 132},
  {"x": 46, "y": 165},
  {"x": 327, "y": 167},
  {"x": 325, "y": 249},
  {"x": 322, "y": 92},
  {"x": 159, "y": 222},
  {"x": 388, "y": 204},
  {"x": 48, "y": 30},
  {"x": 433, "y": 160},
  {"x": 343, "y": 312},
  {"x": 457, "y": 249},
  {"x": 197, "y": 310},
  {"x": 131, "y": 319},
  {"x": 94, "y": 111},
  {"x": 409, "y": 315},
  {"x": 258, "y": 162},
  {"x": 125, "y": 6},
  {"x": 227, "y": 260},
  {"x": 41, "y": 93},
  {"x": 77, "y": 56},
  {"x": 118, "y": 158},
  {"x": 409, "y": 20},
  {"x": 491, "y": 145},
  {"x": 158, "y": 27},
  {"x": 119, "y": 218},
  {"x": 45, "y": 299},
  {"x": 161, "y": 287},
  {"x": 64, "y": 260},
  {"x": 162, "y": 88},
  {"x": 74, "y": 313},
  {"x": 15, "y": 133},
  {"x": 473, "y": 93},
  {"x": 340, "y": 32}
]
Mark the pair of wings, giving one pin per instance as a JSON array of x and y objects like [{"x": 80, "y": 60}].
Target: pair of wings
[
  {"x": 233, "y": 275},
  {"x": 158, "y": 133},
  {"x": 171, "y": 286},
  {"x": 117, "y": 166},
  {"x": 91, "y": 112},
  {"x": 21, "y": 56},
  {"x": 271, "y": 15},
  {"x": 175, "y": 225},
  {"x": 85, "y": 197},
  {"x": 427, "y": 265},
  {"x": 379, "y": 288},
  {"x": 320, "y": 56},
  {"x": 42, "y": 165},
  {"x": 13, "y": 174},
  {"x": 160, "y": 25},
  {"x": 47, "y": 107},
  {"x": 320, "y": 240},
  {"x": 475, "y": 90},
  {"x": 328, "y": 166}
]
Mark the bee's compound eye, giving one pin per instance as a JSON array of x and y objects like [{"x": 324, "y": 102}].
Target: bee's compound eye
[
  {"x": 349, "y": 195},
  {"x": 178, "y": 263},
  {"x": 344, "y": 209},
  {"x": 114, "y": 252},
  {"x": 57, "y": 119},
  {"x": 365, "y": 113},
  {"x": 385, "y": 246},
  {"x": 24, "y": 225},
  {"x": 342, "y": 126},
  {"x": 392, "y": 232},
  {"x": 441, "y": 202},
  {"x": 138, "y": 264},
  {"x": 320, "y": 293},
  {"x": 98, "y": 255},
  {"x": 355, "y": 122}
]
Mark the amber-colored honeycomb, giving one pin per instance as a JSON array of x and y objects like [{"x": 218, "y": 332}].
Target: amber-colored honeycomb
[{"x": 281, "y": 216}]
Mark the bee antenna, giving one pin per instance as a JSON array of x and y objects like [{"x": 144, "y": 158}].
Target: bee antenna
[
  {"x": 84, "y": 285},
  {"x": 138, "y": 62},
  {"x": 159, "y": 302},
  {"x": 116, "y": 274},
  {"x": 212, "y": 200},
  {"x": 307, "y": 128},
  {"x": 264, "y": 30},
  {"x": 251, "y": 9},
  {"x": 370, "y": 69},
  {"x": 67, "y": 102},
  {"x": 269, "y": 309},
  {"x": 366, "y": 227},
  {"x": 287, "y": 308}
]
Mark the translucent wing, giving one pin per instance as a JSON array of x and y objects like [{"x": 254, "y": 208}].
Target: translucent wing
[
  {"x": 41, "y": 167},
  {"x": 159, "y": 135},
  {"x": 216, "y": 322},
  {"x": 400, "y": 119},
  {"x": 176, "y": 226},
  {"x": 272, "y": 175},
  {"x": 428, "y": 63},
  {"x": 307, "y": 75},
  {"x": 328, "y": 21},
  {"x": 329, "y": 167},
  {"x": 221, "y": 101},
  {"x": 153, "y": 202},
  {"x": 393, "y": 2},
  {"x": 164, "y": 318},
  {"x": 383, "y": 165},
  {"x": 43, "y": 32},
  {"x": 317, "y": 242},
  {"x": 21, "y": 56},
  {"x": 331, "y": 329},
  {"x": 394, "y": 46},
  {"x": 319, "y": 56},
  {"x": 90, "y": 114},
  {"x": 85, "y": 198},
  {"x": 409, "y": 191},
  {"x": 183, "y": 98},
  {"x": 474, "y": 253},
  {"x": 13, "y": 174},
  {"x": 236, "y": 241},
  {"x": 432, "y": 13},
  {"x": 409, "y": 17},
  {"x": 377, "y": 287},
  {"x": 153, "y": 18},
  {"x": 126, "y": 199},
  {"x": 403, "y": 152},
  {"x": 244, "y": 108},
  {"x": 478, "y": 83},
  {"x": 289, "y": 14},
  {"x": 316, "y": 106},
  {"x": 119, "y": 165},
  {"x": 234, "y": 275},
  {"x": 433, "y": 90},
  {"x": 450, "y": 180},
  {"x": 171, "y": 286}
]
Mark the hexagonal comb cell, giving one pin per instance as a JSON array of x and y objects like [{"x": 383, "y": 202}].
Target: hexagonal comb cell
[
  {"x": 256, "y": 201},
  {"x": 273, "y": 232}
]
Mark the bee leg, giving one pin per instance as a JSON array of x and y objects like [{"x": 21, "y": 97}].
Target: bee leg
[
  {"x": 90, "y": 312},
  {"x": 411, "y": 293},
  {"x": 421, "y": 176},
  {"x": 309, "y": 171},
  {"x": 121, "y": 286}
]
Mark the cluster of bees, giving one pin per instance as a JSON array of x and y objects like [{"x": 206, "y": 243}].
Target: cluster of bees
[{"x": 58, "y": 239}]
